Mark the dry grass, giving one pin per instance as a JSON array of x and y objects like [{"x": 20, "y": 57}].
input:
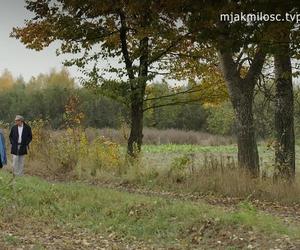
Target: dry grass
[
  {"x": 237, "y": 183},
  {"x": 78, "y": 155},
  {"x": 214, "y": 177},
  {"x": 180, "y": 177},
  {"x": 167, "y": 136}
]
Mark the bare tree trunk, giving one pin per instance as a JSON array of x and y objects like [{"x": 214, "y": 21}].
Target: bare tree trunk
[
  {"x": 242, "y": 102},
  {"x": 137, "y": 102},
  {"x": 241, "y": 92},
  {"x": 284, "y": 115},
  {"x": 136, "y": 128},
  {"x": 137, "y": 86}
]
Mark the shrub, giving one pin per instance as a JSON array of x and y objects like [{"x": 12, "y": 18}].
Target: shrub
[
  {"x": 71, "y": 151},
  {"x": 178, "y": 171}
]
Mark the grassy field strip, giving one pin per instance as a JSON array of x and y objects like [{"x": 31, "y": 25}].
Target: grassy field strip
[
  {"x": 131, "y": 216},
  {"x": 188, "y": 148},
  {"x": 164, "y": 154}
]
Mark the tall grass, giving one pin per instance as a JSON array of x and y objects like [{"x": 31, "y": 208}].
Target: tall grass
[
  {"x": 76, "y": 154},
  {"x": 218, "y": 176}
]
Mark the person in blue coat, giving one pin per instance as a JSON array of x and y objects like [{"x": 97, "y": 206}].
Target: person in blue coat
[{"x": 3, "y": 159}]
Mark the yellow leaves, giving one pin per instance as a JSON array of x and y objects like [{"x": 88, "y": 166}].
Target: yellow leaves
[
  {"x": 214, "y": 95},
  {"x": 216, "y": 85},
  {"x": 71, "y": 150},
  {"x": 54, "y": 78},
  {"x": 212, "y": 90},
  {"x": 109, "y": 153},
  {"x": 209, "y": 90},
  {"x": 100, "y": 153},
  {"x": 40, "y": 136},
  {"x": 6, "y": 81},
  {"x": 112, "y": 42}
]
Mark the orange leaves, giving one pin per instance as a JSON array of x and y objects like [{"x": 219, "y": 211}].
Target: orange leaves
[{"x": 73, "y": 116}]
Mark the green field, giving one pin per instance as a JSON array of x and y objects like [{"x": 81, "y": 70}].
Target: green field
[
  {"x": 185, "y": 148},
  {"x": 163, "y": 155}
]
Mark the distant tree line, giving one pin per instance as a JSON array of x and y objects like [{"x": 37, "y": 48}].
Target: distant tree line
[{"x": 45, "y": 97}]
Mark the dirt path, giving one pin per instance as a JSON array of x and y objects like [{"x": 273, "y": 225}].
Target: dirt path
[
  {"x": 31, "y": 235},
  {"x": 22, "y": 235},
  {"x": 289, "y": 213}
]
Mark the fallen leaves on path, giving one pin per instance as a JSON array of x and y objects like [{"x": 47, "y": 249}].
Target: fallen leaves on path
[{"x": 34, "y": 235}]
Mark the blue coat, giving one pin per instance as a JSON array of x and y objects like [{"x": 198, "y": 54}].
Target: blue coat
[{"x": 2, "y": 149}]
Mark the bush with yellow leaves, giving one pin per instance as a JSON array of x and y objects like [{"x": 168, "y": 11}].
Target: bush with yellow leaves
[{"x": 70, "y": 150}]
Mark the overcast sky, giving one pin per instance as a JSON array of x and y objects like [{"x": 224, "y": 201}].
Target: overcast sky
[{"x": 13, "y": 54}]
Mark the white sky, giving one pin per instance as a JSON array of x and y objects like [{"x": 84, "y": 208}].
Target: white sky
[
  {"x": 20, "y": 60},
  {"x": 13, "y": 54}
]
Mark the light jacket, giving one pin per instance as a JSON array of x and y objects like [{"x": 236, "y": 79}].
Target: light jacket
[{"x": 2, "y": 149}]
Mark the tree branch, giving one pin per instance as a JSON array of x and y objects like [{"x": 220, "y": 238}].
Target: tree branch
[
  {"x": 256, "y": 66},
  {"x": 123, "y": 38},
  {"x": 165, "y": 51},
  {"x": 171, "y": 104},
  {"x": 228, "y": 66},
  {"x": 174, "y": 94}
]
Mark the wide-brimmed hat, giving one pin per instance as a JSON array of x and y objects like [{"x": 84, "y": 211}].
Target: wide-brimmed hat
[{"x": 19, "y": 118}]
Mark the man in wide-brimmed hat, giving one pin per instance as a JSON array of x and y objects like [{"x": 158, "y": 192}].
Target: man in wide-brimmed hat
[{"x": 20, "y": 136}]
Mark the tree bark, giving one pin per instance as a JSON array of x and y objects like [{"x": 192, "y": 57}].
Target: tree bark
[
  {"x": 136, "y": 129},
  {"x": 137, "y": 102},
  {"x": 241, "y": 92},
  {"x": 137, "y": 87},
  {"x": 284, "y": 115},
  {"x": 242, "y": 101}
]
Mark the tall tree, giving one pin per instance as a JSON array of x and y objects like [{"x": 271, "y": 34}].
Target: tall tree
[
  {"x": 284, "y": 106},
  {"x": 241, "y": 56},
  {"x": 283, "y": 48},
  {"x": 123, "y": 30},
  {"x": 241, "y": 90}
]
